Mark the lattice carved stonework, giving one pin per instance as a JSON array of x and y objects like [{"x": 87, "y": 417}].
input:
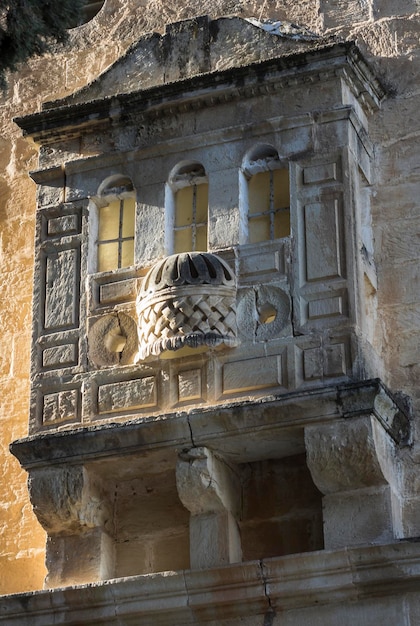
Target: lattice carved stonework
[{"x": 187, "y": 299}]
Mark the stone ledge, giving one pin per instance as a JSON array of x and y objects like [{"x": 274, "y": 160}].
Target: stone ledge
[
  {"x": 276, "y": 424},
  {"x": 245, "y": 589}
]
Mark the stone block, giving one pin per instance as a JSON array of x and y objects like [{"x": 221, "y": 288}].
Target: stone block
[
  {"x": 64, "y": 355},
  {"x": 133, "y": 557},
  {"x": 78, "y": 559},
  {"x": 253, "y": 374},
  {"x": 171, "y": 552},
  {"x": 321, "y": 173},
  {"x": 312, "y": 364},
  {"x": 61, "y": 306},
  {"x": 61, "y": 406},
  {"x": 323, "y": 254},
  {"x": 339, "y": 13},
  {"x": 261, "y": 261},
  {"x": 63, "y": 225},
  {"x": 268, "y": 538},
  {"x": 190, "y": 386},
  {"x": 358, "y": 517},
  {"x": 127, "y": 395},
  {"x": 336, "y": 360},
  {"x": 117, "y": 291}
]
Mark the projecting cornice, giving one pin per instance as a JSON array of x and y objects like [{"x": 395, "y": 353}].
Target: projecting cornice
[
  {"x": 275, "y": 424},
  {"x": 123, "y": 96}
]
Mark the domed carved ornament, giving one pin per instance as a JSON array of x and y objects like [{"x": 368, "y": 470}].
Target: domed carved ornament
[{"x": 187, "y": 299}]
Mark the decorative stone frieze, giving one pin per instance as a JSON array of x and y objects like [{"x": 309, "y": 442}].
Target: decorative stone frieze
[{"x": 187, "y": 299}]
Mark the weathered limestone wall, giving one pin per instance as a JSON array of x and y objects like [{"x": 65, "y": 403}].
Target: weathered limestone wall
[{"x": 387, "y": 31}]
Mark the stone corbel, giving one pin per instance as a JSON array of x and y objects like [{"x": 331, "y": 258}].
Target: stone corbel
[
  {"x": 363, "y": 465},
  {"x": 211, "y": 491},
  {"x": 343, "y": 462},
  {"x": 72, "y": 507},
  {"x": 402, "y": 471}
]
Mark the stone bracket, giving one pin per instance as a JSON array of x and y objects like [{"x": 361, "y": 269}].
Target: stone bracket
[
  {"x": 71, "y": 505},
  {"x": 211, "y": 491}
]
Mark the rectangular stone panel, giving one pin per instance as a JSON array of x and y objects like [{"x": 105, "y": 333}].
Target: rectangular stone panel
[
  {"x": 253, "y": 374},
  {"x": 63, "y": 225},
  {"x": 256, "y": 261},
  {"x": 336, "y": 360},
  {"x": 312, "y": 364},
  {"x": 320, "y": 173},
  {"x": 323, "y": 240},
  {"x": 62, "y": 289},
  {"x": 190, "y": 385},
  {"x": 61, "y": 406},
  {"x": 327, "y": 306},
  {"x": 60, "y": 356},
  {"x": 117, "y": 291},
  {"x": 140, "y": 393},
  {"x": 308, "y": 362}
]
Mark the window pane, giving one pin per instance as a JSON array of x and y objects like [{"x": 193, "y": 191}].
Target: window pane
[
  {"x": 282, "y": 224},
  {"x": 129, "y": 211},
  {"x": 202, "y": 203},
  {"x": 109, "y": 221},
  {"x": 201, "y": 238},
  {"x": 183, "y": 240},
  {"x": 183, "y": 206},
  {"x": 281, "y": 189},
  {"x": 259, "y": 193},
  {"x": 259, "y": 229},
  {"x": 127, "y": 253},
  {"x": 107, "y": 256}
]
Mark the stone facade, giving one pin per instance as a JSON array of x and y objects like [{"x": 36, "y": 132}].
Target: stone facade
[{"x": 258, "y": 456}]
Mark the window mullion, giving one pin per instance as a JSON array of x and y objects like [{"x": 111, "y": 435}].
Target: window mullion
[
  {"x": 120, "y": 229},
  {"x": 271, "y": 205},
  {"x": 194, "y": 219}
]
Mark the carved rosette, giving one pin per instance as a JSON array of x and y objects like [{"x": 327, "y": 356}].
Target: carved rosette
[{"x": 187, "y": 299}]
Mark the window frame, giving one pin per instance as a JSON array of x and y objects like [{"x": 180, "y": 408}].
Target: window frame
[
  {"x": 113, "y": 189},
  {"x": 185, "y": 174},
  {"x": 259, "y": 160}
]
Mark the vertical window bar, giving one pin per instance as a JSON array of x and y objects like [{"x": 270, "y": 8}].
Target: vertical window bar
[
  {"x": 194, "y": 219},
  {"x": 120, "y": 227},
  {"x": 271, "y": 206}
]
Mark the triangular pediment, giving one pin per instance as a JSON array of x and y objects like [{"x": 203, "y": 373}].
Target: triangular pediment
[{"x": 195, "y": 47}]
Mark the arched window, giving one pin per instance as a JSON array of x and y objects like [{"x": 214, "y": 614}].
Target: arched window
[
  {"x": 265, "y": 196},
  {"x": 115, "y": 224},
  {"x": 187, "y": 209}
]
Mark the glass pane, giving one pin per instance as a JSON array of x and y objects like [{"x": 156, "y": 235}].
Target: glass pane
[
  {"x": 129, "y": 211},
  {"x": 259, "y": 193},
  {"x": 109, "y": 221},
  {"x": 281, "y": 189},
  {"x": 183, "y": 240},
  {"x": 107, "y": 256},
  {"x": 202, "y": 203},
  {"x": 183, "y": 206},
  {"x": 259, "y": 229},
  {"x": 127, "y": 253},
  {"x": 201, "y": 238},
  {"x": 282, "y": 224}
]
